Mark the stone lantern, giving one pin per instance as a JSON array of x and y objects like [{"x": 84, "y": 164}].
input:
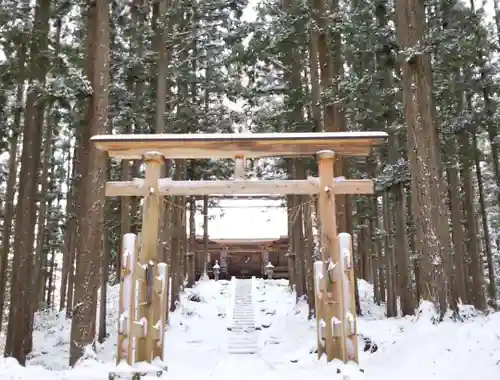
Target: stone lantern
[
  {"x": 269, "y": 270},
  {"x": 216, "y": 269}
]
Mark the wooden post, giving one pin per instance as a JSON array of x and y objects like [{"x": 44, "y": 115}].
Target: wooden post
[
  {"x": 345, "y": 245},
  {"x": 147, "y": 258},
  {"x": 319, "y": 290},
  {"x": 191, "y": 260},
  {"x": 224, "y": 261},
  {"x": 206, "y": 259},
  {"x": 126, "y": 316},
  {"x": 239, "y": 167},
  {"x": 189, "y": 268},
  {"x": 330, "y": 254},
  {"x": 291, "y": 268},
  {"x": 161, "y": 288},
  {"x": 265, "y": 259}
]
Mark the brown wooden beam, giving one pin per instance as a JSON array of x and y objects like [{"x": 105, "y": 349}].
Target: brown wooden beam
[
  {"x": 249, "y": 145},
  {"x": 273, "y": 187}
]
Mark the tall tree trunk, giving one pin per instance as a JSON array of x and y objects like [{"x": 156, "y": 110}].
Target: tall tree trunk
[
  {"x": 458, "y": 292},
  {"x": 331, "y": 71},
  {"x": 492, "y": 291},
  {"x": 76, "y": 211},
  {"x": 496, "y": 8},
  {"x": 68, "y": 230},
  {"x": 106, "y": 249},
  {"x": 11, "y": 180},
  {"x": 161, "y": 68},
  {"x": 20, "y": 307},
  {"x": 391, "y": 306},
  {"x": 429, "y": 211},
  {"x": 89, "y": 256},
  {"x": 309, "y": 251},
  {"x": 107, "y": 245},
  {"x": 476, "y": 265},
  {"x": 42, "y": 231},
  {"x": 403, "y": 267}
]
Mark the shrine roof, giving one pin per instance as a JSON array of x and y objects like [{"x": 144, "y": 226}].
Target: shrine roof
[{"x": 246, "y": 241}]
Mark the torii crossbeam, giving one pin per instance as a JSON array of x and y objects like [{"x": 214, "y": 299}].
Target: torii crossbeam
[{"x": 233, "y": 145}]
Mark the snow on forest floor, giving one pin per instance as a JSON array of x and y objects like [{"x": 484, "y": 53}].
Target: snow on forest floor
[{"x": 411, "y": 348}]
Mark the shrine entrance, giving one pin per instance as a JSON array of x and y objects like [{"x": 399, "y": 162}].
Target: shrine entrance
[
  {"x": 333, "y": 274},
  {"x": 242, "y": 258}
]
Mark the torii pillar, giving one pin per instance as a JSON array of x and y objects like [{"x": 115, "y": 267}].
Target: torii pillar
[
  {"x": 334, "y": 275},
  {"x": 147, "y": 346}
]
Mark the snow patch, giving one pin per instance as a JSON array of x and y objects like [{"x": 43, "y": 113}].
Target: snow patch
[{"x": 412, "y": 348}]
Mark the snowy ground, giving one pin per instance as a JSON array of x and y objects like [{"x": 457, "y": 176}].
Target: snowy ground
[{"x": 410, "y": 348}]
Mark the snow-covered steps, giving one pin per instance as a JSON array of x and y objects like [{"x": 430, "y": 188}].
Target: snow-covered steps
[{"x": 242, "y": 335}]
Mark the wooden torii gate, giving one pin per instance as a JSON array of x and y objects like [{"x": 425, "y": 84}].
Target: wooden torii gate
[{"x": 333, "y": 282}]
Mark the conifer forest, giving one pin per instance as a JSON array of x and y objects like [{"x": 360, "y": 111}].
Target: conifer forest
[{"x": 425, "y": 72}]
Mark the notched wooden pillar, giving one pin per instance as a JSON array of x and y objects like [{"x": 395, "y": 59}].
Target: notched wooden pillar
[
  {"x": 147, "y": 259},
  {"x": 333, "y": 303}
]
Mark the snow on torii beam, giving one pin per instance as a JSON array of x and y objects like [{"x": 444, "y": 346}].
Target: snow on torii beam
[
  {"x": 213, "y": 188},
  {"x": 232, "y": 145}
]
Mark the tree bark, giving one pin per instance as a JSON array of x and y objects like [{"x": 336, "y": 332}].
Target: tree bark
[
  {"x": 89, "y": 257},
  {"x": 11, "y": 180},
  {"x": 20, "y": 307}
]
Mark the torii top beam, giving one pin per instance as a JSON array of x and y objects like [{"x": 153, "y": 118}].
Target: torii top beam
[{"x": 231, "y": 145}]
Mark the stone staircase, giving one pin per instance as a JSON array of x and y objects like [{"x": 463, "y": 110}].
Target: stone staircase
[{"x": 242, "y": 335}]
